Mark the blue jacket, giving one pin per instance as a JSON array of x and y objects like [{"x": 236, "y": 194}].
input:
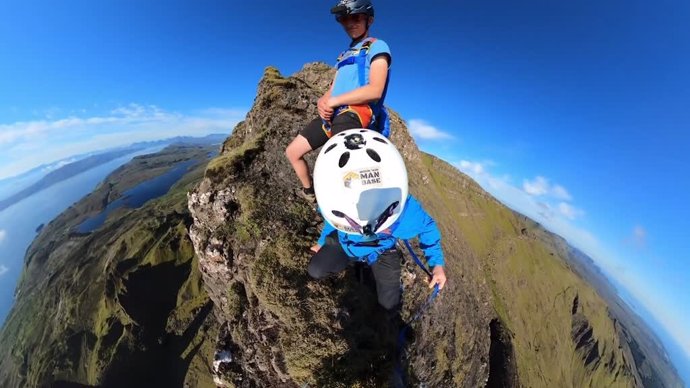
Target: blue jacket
[{"x": 413, "y": 222}]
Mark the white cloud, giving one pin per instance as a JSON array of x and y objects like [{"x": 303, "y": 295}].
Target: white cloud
[
  {"x": 471, "y": 167},
  {"x": 554, "y": 216},
  {"x": 3, "y": 269},
  {"x": 24, "y": 145},
  {"x": 638, "y": 238},
  {"x": 3, "y": 234},
  {"x": 541, "y": 186},
  {"x": 58, "y": 164},
  {"x": 423, "y": 130},
  {"x": 569, "y": 211},
  {"x": 560, "y": 192}
]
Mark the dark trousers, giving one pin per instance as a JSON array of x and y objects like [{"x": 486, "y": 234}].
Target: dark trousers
[{"x": 331, "y": 259}]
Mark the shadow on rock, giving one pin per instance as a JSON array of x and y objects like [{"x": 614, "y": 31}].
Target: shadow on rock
[
  {"x": 158, "y": 361},
  {"x": 371, "y": 334}
]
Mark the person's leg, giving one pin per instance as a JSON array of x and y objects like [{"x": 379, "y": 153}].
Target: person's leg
[
  {"x": 310, "y": 138},
  {"x": 387, "y": 275},
  {"x": 329, "y": 260},
  {"x": 295, "y": 153}
]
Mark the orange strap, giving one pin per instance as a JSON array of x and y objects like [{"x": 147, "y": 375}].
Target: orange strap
[{"x": 364, "y": 114}]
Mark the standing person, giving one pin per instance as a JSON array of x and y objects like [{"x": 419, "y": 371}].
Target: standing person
[
  {"x": 361, "y": 188},
  {"x": 355, "y": 98}
]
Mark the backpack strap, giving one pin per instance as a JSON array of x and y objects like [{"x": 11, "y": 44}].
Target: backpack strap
[
  {"x": 361, "y": 59},
  {"x": 358, "y": 56}
]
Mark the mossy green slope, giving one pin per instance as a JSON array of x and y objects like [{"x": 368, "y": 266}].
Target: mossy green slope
[
  {"x": 533, "y": 289},
  {"x": 122, "y": 305}
]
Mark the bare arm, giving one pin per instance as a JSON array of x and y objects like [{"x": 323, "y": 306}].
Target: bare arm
[
  {"x": 378, "y": 72},
  {"x": 325, "y": 111}
]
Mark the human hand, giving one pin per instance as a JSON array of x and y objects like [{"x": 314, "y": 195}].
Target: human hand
[
  {"x": 325, "y": 111},
  {"x": 315, "y": 248},
  {"x": 438, "y": 276},
  {"x": 332, "y": 102}
]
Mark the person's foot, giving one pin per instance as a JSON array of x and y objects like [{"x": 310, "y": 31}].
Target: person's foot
[{"x": 308, "y": 194}]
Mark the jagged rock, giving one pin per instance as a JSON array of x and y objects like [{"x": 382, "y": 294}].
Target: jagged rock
[
  {"x": 249, "y": 225},
  {"x": 498, "y": 323}
]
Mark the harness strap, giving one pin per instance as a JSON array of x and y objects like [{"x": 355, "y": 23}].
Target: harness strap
[
  {"x": 364, "y": 113},
  {"x": 416, "y": 259},
  {"x": 399, "y": 373},
  {"x": 359, "y": 57},
  {"x": 356, "y": 54}
]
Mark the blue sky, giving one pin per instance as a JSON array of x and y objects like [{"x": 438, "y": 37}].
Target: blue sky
[{"x": 574, "y": 113}]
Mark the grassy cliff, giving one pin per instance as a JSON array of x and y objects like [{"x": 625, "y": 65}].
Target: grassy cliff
[{"x": 121, "y": 306}]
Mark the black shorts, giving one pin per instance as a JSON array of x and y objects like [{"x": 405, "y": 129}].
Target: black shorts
[{"x": 315, "y": 134}]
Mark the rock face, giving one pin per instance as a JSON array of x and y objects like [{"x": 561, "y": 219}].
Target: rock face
[
  {"x": 252, "y": 234},
  {"x": 505, "y": 318}
]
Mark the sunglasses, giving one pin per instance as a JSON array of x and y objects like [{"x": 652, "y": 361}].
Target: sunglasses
[{"x": 357, "y": 17}]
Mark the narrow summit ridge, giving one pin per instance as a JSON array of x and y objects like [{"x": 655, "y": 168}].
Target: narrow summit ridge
[{"x": 504, "y": 319}]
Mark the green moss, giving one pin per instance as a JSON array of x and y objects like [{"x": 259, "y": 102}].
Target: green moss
[
  {"x": 246, "y": 226},
  {"x": 273, "y": 75},
  {"x": 235, "y": 302},
  {"x": 230, "y": 162}
]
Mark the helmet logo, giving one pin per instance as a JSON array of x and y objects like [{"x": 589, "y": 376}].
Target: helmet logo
[
  {"x": 354, "y": 141},
  {"x": 347, "y": 179},
  {"x": 366, "y": 177}
]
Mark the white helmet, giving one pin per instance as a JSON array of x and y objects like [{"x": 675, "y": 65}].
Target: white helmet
[{"x": 360, "y": 181}]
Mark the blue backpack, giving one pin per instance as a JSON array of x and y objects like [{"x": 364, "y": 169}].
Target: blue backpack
[{"x": 381, "y": 119}]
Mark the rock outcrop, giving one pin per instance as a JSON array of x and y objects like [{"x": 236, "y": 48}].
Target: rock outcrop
[
  {"x": 502, "y": 321},
  {"x": 252, "y": 234}
]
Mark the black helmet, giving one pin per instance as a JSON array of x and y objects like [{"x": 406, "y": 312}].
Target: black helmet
[{"x": 351, "y": 7}]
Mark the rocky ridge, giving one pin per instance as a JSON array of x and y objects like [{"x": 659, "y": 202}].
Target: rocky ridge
[{"x": 504, "y": 320}]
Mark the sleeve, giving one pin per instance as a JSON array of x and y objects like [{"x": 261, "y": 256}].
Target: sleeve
[
  {"x": 377, "y": 48},
  {"x": 430, "y": 241},
  {"x": 327, "y": 229},
  {"x": 418, "y": 223}
]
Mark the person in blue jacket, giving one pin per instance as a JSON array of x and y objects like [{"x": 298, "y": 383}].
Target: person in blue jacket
[
  {"x": 366, "y": 206},
  {"x": 356, "y": 95}
]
